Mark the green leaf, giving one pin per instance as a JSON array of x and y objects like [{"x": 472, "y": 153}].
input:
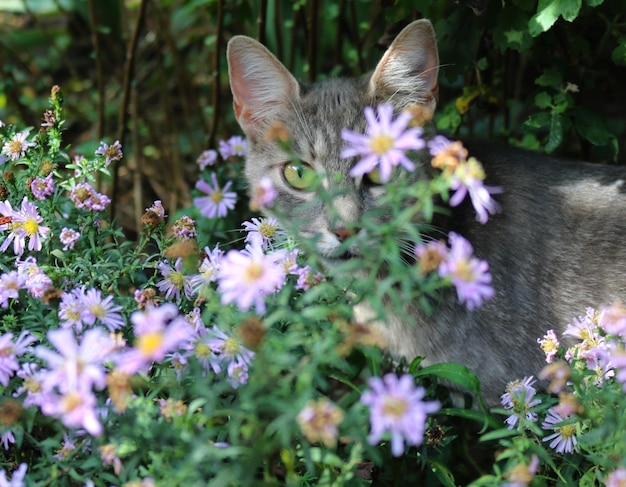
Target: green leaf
[
  {"x": 618, "y": 56},
  {"x": 591, "y": 127},
  {"x": 556, "y": 132},
  {"x": 550, "y": 77},
  {"x": 548, "y": 12},
  {"x": 456, "y": 373},
  {"x": 594, "y": 3},
  {"x": 538, "y": 120},
  {"x": 543, "y": 100},
  {"x": 442, "y": 472}
]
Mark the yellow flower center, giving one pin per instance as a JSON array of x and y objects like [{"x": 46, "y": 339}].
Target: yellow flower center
[
  {"x": 253, "y": 273},
  {"x": 149, "y": 343},
  {"x": 381, "y": 144},
  {"x": 97, "y": 310},
  {"x": 464, "y": 270},
  {"x": 394, "y": 407},
  {"x": 567, "y": 431},
  {"x": 217, "y": 196},
  {"x": 203, "y": 350},
  {"x": 31, "y": 226},
  {"x": 177, "y": 279},
  {"x": 267, "y": 230},
  {"x": 231, "y": 346},
  {"x": 71, "y": 401},
  {"x": 15, "y": 146}
]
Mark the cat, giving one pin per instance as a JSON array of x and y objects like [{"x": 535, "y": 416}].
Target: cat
[{"x": 555, "y": 247}]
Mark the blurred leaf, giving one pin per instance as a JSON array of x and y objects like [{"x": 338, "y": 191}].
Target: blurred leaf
[
  {"x": 592, "y": 127},
  {"x": 556, "y": 132},
  {"x": 456, "y": 373},
  {"x": 548, "y": 12}
]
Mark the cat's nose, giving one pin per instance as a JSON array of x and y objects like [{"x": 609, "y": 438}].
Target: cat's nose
[{"x": 343, "y": 233}]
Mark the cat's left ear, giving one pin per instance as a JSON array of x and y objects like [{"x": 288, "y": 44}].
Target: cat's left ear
[
  {"x": 262, "y": 87},
  {"x": 408, "y": 71}
]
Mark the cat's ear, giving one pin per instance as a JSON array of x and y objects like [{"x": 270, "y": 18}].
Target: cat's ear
[
  {"x": 260, "y": 84},
  {"x": 408, "y": 71}
]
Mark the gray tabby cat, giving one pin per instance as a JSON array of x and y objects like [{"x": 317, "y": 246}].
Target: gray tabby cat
[{"x": 556, "y": 247}]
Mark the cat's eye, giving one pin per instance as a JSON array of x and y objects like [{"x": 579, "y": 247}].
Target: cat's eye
[{"x": 299, "y": 175}]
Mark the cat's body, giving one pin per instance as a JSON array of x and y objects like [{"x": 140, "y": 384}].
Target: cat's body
[{"x": 555, "y": 247}]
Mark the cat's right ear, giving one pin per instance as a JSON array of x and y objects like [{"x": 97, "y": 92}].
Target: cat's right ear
[{"x": 261, "y": 85}]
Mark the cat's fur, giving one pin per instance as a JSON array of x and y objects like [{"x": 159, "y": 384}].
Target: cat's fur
[{"x": 556, "y": 246}]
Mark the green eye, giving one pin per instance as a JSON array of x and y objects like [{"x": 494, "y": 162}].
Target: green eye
[{"x": 299, "y": 175}]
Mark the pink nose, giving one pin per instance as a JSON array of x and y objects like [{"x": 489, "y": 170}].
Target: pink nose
[{"x": 343, "y": 233}]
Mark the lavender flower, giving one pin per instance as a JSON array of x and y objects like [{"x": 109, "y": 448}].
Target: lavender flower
[
  {"x": 218, "y": 201},
  {"x": 519, "y": 399},
  {"x": 110, "y": 152},
  {"x": 184, "y": 228},
  {"x": 563, "y": 440},
  {"x": 263, "y": 194},
  {"x": 469, "y": 275},
  {"x": 208, "y": 269},
  {"x": 247, "y": 278},
  {"x": 94, "y": 307},
  {"x": 76, "y": 408},
  {"x": 10, "y": 285},
  {"x": 35, "y": 280},
  {"x": 42, "y": 187},
  {"x": 16, "y": 147},
  {"x": 174, "y": 281},
  {"x": 25, "y": 224},
  {"x": 384, "y": 144},
  {"x": 68, "y": 238},
  {"x": 397, "y": 407},
  {"x": 17, "y": 479},
  {"x": 262, "y": 231},
  {"x": 9, "y": 351},
  {"x": 235, "y": 146},
  {"x": 207, "y": 158},
  {"x": 231, "y": 354},
  {"x": 86, "y": 198}
]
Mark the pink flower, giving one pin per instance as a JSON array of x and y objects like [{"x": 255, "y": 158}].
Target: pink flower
[
  {"x": 9, "y": 351},
  {"x": 76, "y": 408},
  {"x": 25, "y": 223},
  {"x": 385, "y": 143},
  {"x": 42, "y": 187},
  {"x": 235, "y": 146},
  {"x": 246, "y": 278},
  {"x": 263, "y": 194},
  {"x": 174, "y": 281},
  {"x": 468, "y": 178},
  {"x": 207, "y": 158},
  {"x": 18, "y": 145},
  {"x": 397, "y": 407}
]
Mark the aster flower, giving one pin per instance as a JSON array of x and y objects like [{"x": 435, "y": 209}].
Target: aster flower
[
  {"x": 319, "y": 421},
  {"x": 174, "y": 281},
  {"x": 617, "y": 478},
  {"x": 154, "y": 214},
  {"x": 31, "y": 386},
  {"x": 7, "y": 439},
  {"x": 469, "y": 275},
  {"x": 207, "y": 158},
  {"x": 218, "y": 201},
  {"x": 25, "y": 223},
  {"x": 447, "y": 155},
  {"x": 208, "y": 269},
  {"x": 397, "y": 407},
  {"x": 519, "y": 399},
  {"x": 263, "y": 194},
  {"x": 384, "y": 144},
  {"x": 184, "y": 228},
  {"x": 230, "y": 354},
  {"x": 42, "y": 187},
  {"x": 431, "y": 255},
  {"x": 76, "y": 408},
  {"x": 70, "y": 309},
  {"x": 158, "y": 331},
  {"x": 468, "y": 178},
  {"x": 613, "y": 319},
  {"x": 262, "y": 231},
  {"x": 77, "y": 364},
  {"x": 10, "y": 285},
  {"x": 9, "y": 351},
  {"x": 94, "y": 307},
  {"x": 247, "y": 278},
  {"x": 110, "y": 152},
  {"x": 35, "y": 280},
  {"x": 549, "y": 344},
  {"x": 16, "y": 147},
  {"x": 86, "y": 198},
  {"x": 235, "y": 146},
  {"x": 68, "y": 238},
  {"x": 563, "y": 440},
  {"x": 17, "y": 479},
  {"x": 522, "y": 474}
]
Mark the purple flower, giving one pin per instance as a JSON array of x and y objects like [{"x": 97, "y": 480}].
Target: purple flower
[
  {"x": 35, "y": 280},
  {"x": 617, "y": 478},
  {"x": 86, "y": 198},
  {"x": 468, "y": 179},
  {"x": 76, "y": 408},
  {"x": 208, "y": 269},
  {"x": 235, "y": 146},
  {"x": 231, "y": 354},
  {"x": 522, "y": 474},
  {"x": 184, "y": 228},
  {"x": 110, "y": 152},
  {"x": 218, "y": 201},
  {"x": 10, "y": 285},
  {"x": 469, "y": 275},
  {"x": 549, "y": 344},
  {"x": 262, "y": 231},
  {"x": 75, "y": 365},
  {"x": 17, "y": 479},
  {"x": 6, "y": 439},
  {"x": 68, "y": 238},
  {"x": 42, "y": 187},
  {"x": 157, "y": 209},
  {"x": 9, "y": 351},
  {"x": 613, "y": 319},
  {"x": 247, "y": 278},
  {"x": 174, "y": 281},
  {"x": 158, "y": 331},
  {"x": 384, "y": 144},
  {"x": 32, "y": 385},
  {"x": 94, "y": 307},
  {"x": 25, "y": 223},
  {"x": 207, "y": 158},
  {"x": 397, "y": 407},
  {"x": 563, "y": 440},
  {"x": 519, "y": 399},
  {"x": 17, "y": 146}
]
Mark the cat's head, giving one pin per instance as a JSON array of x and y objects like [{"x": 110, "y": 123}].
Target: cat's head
[{"x": 267, "y": 96}]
